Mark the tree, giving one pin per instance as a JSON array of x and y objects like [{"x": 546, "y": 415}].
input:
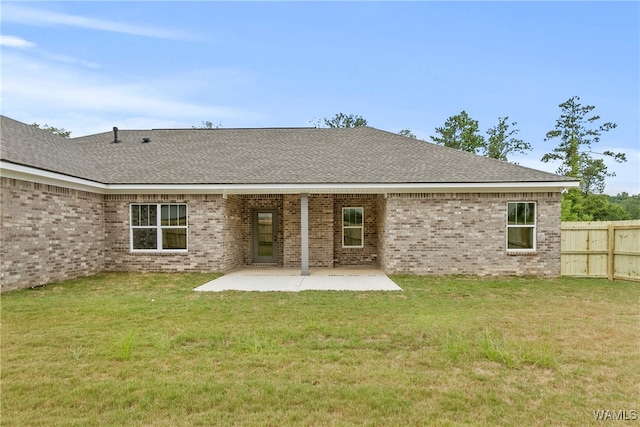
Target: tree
[
  {"x": 579, "y": 206},
  {"x": 631, "y": 204},
  {"x": 342, "y": 120},
  {"x": 578, "y": 132},
  {"x": 460, "y": 132},
  {"x": 501, "y": 141},
  {"x": 407, "y": 133},
  {"x": 208, "y": 125},
  {"x": 56, "y": 131}
]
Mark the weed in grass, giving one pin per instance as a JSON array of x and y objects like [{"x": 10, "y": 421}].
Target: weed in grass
[
  {"x": 541, "y": 355},
  {"x": 455, "y": 345},
  {"x": 77, "y": 351},
  {"x": 252, "y": 343},
  {"x": 492, "y": 345},
  {"x": 127, "y": 346},
  {"x": 495, "y": 348},
  {"x": 313, "y": 321}
]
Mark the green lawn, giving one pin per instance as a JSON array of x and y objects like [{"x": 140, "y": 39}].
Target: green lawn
[{"x": 144, "y": 349}]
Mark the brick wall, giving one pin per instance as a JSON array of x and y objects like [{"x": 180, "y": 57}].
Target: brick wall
[
  {"x": 465, "y": 234},
  {"x": 234, "y": 237},
  {"x": 291, "y": 231},
  {"x": 48, "y": 234},
  {"x": 53, "y": 233},
  {"x": 321, "y": 220},
  {"x": 368, "y": 255},
  {"x": 381, "y": 208},
  {"x": 207, "y": 229}
]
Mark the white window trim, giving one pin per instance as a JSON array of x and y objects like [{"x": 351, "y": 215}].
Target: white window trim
[
  {"x": 158, "y": 228},
  {"x": 353, "y": 226},
  {"x": 534, "y": 226}
]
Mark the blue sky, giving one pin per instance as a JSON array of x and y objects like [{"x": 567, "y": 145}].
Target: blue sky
[{"x": 89, "y": 66}]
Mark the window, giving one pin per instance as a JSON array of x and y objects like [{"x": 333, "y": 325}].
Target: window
[
  {"x": 352, "y": 228},
  {"x": 521, "y": 226},
  {"x": 159, "y": 227}
]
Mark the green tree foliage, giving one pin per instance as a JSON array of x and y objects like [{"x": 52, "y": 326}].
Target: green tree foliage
[
  {"x": 56, "y": 131},
  {"x": 340, "y": 120},
  {"x": 460, "y": 132},
  {"x": 578, "y": 132},
  {"x": 207, "y": 125},
  {"x": 407, "y": 133},
  {"x": 463, "y": 133},
  {"x": 631, "y": 204},
  {"x": 580, "y": 206},
  {"x": 502, "y": 140}
]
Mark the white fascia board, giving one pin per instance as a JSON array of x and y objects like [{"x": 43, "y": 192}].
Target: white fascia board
[
  {"x": 26, "y": 173},
  {"x": 10, "y": 170}
]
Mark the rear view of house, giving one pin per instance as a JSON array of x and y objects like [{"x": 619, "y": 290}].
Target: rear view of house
[{"x": 220, "y": 199}]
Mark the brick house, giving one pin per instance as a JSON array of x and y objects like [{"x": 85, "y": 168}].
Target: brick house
[{"x": 219, "y": 199}]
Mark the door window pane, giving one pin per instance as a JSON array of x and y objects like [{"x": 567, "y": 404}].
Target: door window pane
[{"x": 265, "y": 234}]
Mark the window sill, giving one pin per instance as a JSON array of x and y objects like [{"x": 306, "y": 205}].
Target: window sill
[
  {"x": 522, "y": 253},
  {"x": 176, "y": 252}
]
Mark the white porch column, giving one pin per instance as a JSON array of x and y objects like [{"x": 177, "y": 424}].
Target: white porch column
[{"x": 304, "y": 233}]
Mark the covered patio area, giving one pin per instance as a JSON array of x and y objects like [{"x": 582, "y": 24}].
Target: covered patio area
[{"x": 289, "y": 280}]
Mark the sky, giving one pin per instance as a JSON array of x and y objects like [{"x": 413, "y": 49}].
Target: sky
[{"x": 90, "y": 66}]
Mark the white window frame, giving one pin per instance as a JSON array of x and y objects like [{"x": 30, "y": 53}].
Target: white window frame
[
  {"x": 159, "y": 227},
  {"x": 353, "y": 226},
  {"x": 534, "y": 227}
]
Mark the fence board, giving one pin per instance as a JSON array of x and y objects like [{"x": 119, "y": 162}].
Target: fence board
[{"x": 601, "y": 249}]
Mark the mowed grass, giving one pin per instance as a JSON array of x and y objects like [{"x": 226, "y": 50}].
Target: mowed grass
[{"x": 146, "y": 350}]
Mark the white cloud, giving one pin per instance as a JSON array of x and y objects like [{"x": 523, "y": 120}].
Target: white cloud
[
  {"x": 66, "y": 59},
  {"x": 42, "y": 17},
  {"x": 82, "y": 100},
  {"x": 20, "y": 43},
  {"x": 17, "y": 42}
]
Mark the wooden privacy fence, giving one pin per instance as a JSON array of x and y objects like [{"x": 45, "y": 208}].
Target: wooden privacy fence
[{"x": 608, "y": 249}]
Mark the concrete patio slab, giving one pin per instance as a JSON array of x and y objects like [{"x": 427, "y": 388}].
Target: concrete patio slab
[{"x": 290, "y": 280}]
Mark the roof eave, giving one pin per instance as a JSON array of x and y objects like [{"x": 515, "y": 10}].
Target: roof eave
[{"x": 26, "y": 173}]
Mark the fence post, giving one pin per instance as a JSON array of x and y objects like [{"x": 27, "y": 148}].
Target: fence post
[{"x": 611, "y": 249}]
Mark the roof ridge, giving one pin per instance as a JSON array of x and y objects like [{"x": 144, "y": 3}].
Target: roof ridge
[{"x": 223, "y": 128}]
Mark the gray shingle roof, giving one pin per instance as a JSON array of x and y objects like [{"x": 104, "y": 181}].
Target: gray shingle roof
[
  {"x": 29, "y": 146},
  {"x": 255, "y": 156}
]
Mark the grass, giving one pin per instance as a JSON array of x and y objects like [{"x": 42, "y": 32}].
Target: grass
[{"x": 144, "y": 349}]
